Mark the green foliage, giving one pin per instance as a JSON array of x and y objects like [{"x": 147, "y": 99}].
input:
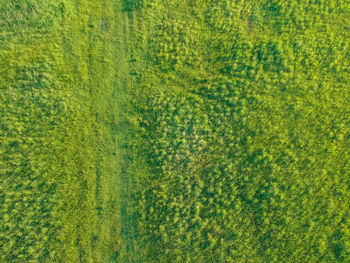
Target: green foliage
[
  {"x": 174, "y": 131},
  {"x": 56, "y": 158},
  {"x": 242, "y": 128},
  {"x": 131, "y": 5}
]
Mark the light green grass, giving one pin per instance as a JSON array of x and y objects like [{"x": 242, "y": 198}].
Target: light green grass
[
  {"x": 174, "y": 131},
  {"x": 60, "y": 177},
  {"x": 241, "y": 116}
]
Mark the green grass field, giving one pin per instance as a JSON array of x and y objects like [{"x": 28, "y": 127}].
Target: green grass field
[
  {"x": 174, "y": 131},
  {"x": 59, "y": 162}
]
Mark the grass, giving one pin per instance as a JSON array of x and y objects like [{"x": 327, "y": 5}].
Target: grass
[
  {"x": 244, "y": 143},
  {"x": 174, "y": 131},
  {"x": 60, "y": 183}
]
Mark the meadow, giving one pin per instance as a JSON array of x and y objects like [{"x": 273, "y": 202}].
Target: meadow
[
  {"x": 174, "y": 131},
  {"x": 59, "y": 195}
]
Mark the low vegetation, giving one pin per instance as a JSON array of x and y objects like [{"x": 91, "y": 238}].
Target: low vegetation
[
  {"x": 174, "y": 131},
  {"x": 243, "y": 111}
]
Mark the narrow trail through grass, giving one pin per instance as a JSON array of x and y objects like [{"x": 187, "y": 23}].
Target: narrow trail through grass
[{"x": 122, "y": 97}]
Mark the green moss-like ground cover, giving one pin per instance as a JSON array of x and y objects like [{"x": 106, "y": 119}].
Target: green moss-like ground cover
[
  {"x": 243, "y": 109},
  {"x": 174, "y": 131},
  {"x": 59, "y": 195}
]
